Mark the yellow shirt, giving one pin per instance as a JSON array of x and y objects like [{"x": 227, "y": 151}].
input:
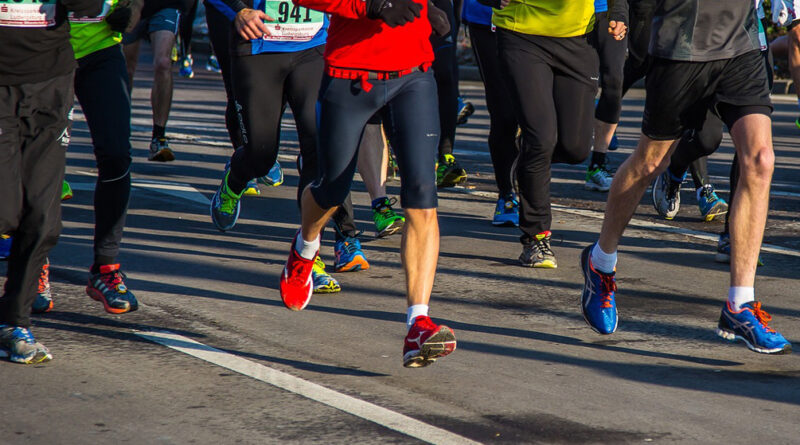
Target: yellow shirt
[{"x": 550, "y": 18}]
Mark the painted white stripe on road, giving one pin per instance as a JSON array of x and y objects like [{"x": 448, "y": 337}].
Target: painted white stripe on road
[
  {"x": 176, "y": 189},
  {"x": 640, "y": 224},
  {"x": 351, "y": 405}
]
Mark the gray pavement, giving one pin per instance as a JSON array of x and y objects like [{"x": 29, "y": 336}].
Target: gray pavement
[{"x": 527, "y": 368}]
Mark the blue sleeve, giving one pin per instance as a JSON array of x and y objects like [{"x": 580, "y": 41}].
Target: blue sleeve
[{"x": 600, "y": 6}]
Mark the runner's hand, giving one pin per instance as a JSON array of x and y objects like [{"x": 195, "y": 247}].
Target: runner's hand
[
  {"x": 617, "y": 29},
  {"x": 438, "y": 19},
  {"x": 393, "y": 12},
  {"x": 249, "y": 23}
]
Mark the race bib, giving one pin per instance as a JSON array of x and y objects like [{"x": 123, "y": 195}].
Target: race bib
[
  {"x": 27, "y": 13},
  {"x": 99, "y": 18},
  {"x": 291, "y": 23}
]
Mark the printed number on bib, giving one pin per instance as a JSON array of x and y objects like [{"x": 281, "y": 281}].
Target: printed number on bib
[
  {"x": 292, "y": 23},
  {"x": 98, "y": 19},
  {"x": 27, "y": 13}
]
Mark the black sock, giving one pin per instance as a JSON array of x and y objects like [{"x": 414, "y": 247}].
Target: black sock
[
  {"x": 159, "y": 132},
  {"x": 101, "y": 260},
  {"x": 598, "y": 158}
]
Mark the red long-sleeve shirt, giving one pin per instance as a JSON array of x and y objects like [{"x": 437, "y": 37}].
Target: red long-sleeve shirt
[{"x": 357, "y": 42}]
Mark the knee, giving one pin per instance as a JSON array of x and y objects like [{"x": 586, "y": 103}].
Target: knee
[
  {"x": 708, "y": 142},
  {"x": 162, "y": 65},
  {"x": 418, "y": 194},
  {"x": 572, "y": 150},
  {"x": 113, "y": 168},
  {"x": 758, "y": 164}
]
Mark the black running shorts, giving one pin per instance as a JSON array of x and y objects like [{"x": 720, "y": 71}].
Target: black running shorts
[{"x": 680, "y": 93}]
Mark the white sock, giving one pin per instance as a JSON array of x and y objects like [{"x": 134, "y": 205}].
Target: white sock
[
  {"x": 603, "y": 262},
  {"x": 415, "y": 311},
  {"x": 739, "y": 295},
  {"x": 306, "y": 249}
]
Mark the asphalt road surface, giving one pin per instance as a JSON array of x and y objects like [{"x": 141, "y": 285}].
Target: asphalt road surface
[{"x": 213, "y": 357}]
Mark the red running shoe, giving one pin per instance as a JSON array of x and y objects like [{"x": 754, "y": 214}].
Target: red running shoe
[
  {"x": 426, "y": 341},
  {"x": 296, "y": 282}
]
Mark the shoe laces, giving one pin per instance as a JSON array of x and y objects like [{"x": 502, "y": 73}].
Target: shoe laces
[
  {"x": 44, "y": 279},
  {"x": 762, "y": 316},
  {"x": 228, "y": 199},
  {"x": 708, "y": 193},
  {"x": 112, "y": 280},
  {"x": 608, "y": 289},
  {"x": 350, "y": 244},
  {"x": 542, "y": 243},
  {"x": 25, "y": 335},
  {"x": 298, "y": 270},
  {"x": 385, "y": 208}
]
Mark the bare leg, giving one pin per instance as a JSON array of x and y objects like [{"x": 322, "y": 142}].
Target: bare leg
[
  {"x": 420, "y": 253},
  {"x": 752, "y": 137},
  {"x": 649, "y": 159},
  {"x": 161, "y": 94},
  {"x": 603, "y": 132},
  {"x": 313, "y": 217},
  {"x": 373, "y": 156}
]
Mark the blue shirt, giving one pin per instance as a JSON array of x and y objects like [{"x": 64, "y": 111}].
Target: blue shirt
[{"x": 600, "y": 5}]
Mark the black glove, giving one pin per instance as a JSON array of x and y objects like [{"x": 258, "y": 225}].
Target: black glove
[
  {"x": 120, "y": 17},
  {"x": 393, "y": 12},
  {"x": 438, "y": 19}
]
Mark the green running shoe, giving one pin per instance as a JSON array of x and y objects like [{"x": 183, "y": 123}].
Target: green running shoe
[
  {"x": 323, "y": 282},
  {"x": 225, "y": 206},
  {"x": 66, "y": 191},
  {"x": 387, "y": 222},
  {"x": 449, "y": 173}
]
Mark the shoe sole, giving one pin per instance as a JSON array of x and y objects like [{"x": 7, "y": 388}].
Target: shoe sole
[
  {"x": 449, "y": 181},
  {"x": 98, "y": 296},
  {"x": 546, "y": 264},
  {"x": 584, "y": 269},
  {"x": 39, "y": 357},
  {"x": 730, "y": 336},
  {"x": 723, "y": 258},
  {"x": 353, "y": 266},
  {"x": 391, "y": 229},
  {"x": 718, "y": 210},
  {"x": 66, "y": 197},
  {"x": 595, "y": 188},
  {"x": 163, "y": 155},
  {"x": 325, "y": 290},
  {"x": 505, "y": 224},
  {"x": 251, "y": 192},
  {"x": 654, "y": 199},
  {"x": 440, "y": 344}
]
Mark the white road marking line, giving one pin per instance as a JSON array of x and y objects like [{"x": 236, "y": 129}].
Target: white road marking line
[
  {"x": 176, "y": 189},
  {"x": 640, "y": 224},
  {"x": 351, "y": 405}
]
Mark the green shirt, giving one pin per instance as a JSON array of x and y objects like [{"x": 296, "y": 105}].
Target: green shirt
[
  {"x": 89, "y": 35},
  {"x": 549, "y": 18}
]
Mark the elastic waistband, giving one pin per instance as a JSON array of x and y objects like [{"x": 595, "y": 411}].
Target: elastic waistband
[{"x": 365, "y": 75}]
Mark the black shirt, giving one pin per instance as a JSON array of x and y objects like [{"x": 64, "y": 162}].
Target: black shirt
[
  {"x": 704, "y": 30},
  {"x": 39, "y": 50}
]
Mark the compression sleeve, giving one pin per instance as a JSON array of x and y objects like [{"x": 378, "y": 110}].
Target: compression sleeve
[{"x": 350, "y": 9}]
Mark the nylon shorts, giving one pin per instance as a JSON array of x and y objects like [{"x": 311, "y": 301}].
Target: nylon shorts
[
  {"x": 680, "y": 93},
  {"x": 164, "y": 20}
]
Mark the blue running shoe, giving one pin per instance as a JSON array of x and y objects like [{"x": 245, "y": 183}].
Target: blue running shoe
[
  {"x": 323, "y": 282},
  {"x": 750, "y": 325},
  {"x": 506, "y": 212},
  {"x": 724, "y": 250},
  {"x": 17, "y": 343},
  {"x": 5, "y": 246},
  {"x": 465, "y": 110},
  {"x": 225, "y": 206},
  {"x": 597, "y": 302},
  {"x": 186, "y": 67},
  {"x": 213, "y": 64},
  {"x": 710, "y": 204},
  {"x": 614, "y": 144},
  {"x": 275, "y": 176},
  {"x": 349, "y": 257},
  {"x": 251, "y": 189}
]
